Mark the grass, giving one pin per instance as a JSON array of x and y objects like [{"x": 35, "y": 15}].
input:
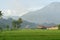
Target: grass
[{"x": 30, "y": 35}]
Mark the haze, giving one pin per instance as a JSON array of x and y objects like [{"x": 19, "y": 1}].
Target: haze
[{"x": 21, "y": 7}]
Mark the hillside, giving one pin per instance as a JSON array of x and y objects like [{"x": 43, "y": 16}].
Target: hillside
[
  {"x": 48, "y": 14},
  {"x": 5, "y": 22}
]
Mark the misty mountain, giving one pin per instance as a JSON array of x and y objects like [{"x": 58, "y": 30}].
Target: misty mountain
[
  {"x": 27, "y": 24},
  {"x": 5, "y": 22},
  {"x": 48, "y": 24},
  {"x": 48, "y": 14}
]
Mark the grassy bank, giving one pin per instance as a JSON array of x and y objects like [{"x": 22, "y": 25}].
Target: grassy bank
[{"x": 30, "y": 35}]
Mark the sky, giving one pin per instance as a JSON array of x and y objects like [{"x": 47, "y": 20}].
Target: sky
[{"x": 21, "y": 7}]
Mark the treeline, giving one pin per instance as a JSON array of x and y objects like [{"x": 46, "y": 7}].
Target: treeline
[{"x": 16, "y": 24}]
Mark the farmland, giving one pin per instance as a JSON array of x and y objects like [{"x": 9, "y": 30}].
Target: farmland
[{"x": 29, "y": 34}]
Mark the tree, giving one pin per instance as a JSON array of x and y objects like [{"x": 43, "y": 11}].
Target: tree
[
  {"x": 14, "y": 24},
  {"x": 1, "y": 29},
  {"x": 0, "y": 14},
  {"x": 17, "y": 23},
  {"x": 0, "y": 17},
  {"x": 59, "y": 26},
  {"x": 7, "y": 27}
]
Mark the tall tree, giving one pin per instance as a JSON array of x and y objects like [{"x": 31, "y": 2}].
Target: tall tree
[
  {"x": 0, "y": 18},
  {"x": 59, "y": 26},
  {"x": 7, "y": 26},
  {"x": 17, "y": 23},
  {"x": 0, "y": 14},
  {"x": 1, "y": 29},
  {"x": 14, "y": 24}
]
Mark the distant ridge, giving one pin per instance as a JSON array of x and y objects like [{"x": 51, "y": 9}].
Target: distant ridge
[{"x": 50, "y": 14}]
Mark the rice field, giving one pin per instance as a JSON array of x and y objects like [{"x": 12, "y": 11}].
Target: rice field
[{"x": 29, "y": 34}]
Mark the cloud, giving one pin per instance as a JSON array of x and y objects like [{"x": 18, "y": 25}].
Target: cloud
[
  {"x": 35, "y": 8},
  {"x": 14, "y": 8},
  {"x": 17, "y": 8},
  {"x": 8, "y": 12}
]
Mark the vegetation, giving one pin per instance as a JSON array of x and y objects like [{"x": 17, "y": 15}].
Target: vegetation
[
  {"x": 1, "y": 29},
  {"x": 30, "y": 35},
  {"x": 17, "y": 23},
  {"x": 7, "y": 26},
  {"x": 59, "y": 26},
  {"x": 1, "y": 17},
  {"x": 1, "y": 14}
]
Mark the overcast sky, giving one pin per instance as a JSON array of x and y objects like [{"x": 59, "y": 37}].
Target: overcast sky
[{"x": 21, "y": 7}]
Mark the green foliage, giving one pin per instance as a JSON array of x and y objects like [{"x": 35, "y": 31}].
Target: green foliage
[
  {"x": 0, "y": 13},
  {"x": 7, "y": 27},
  {"x": 59, "y": 26},
  {"x": 0, "y": 17},
  {"x": 19, "y": 21},
  {"x": 1, "y": 29},
  {"x": 16, "y": 23}
]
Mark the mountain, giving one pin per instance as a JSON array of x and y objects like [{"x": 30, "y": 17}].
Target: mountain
[
  {"x": 49, "y": 24},
  {"x": 48, "y": 14},
  {"x": 25, "y": 24},
  {"x": 5, "y": 22}
]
